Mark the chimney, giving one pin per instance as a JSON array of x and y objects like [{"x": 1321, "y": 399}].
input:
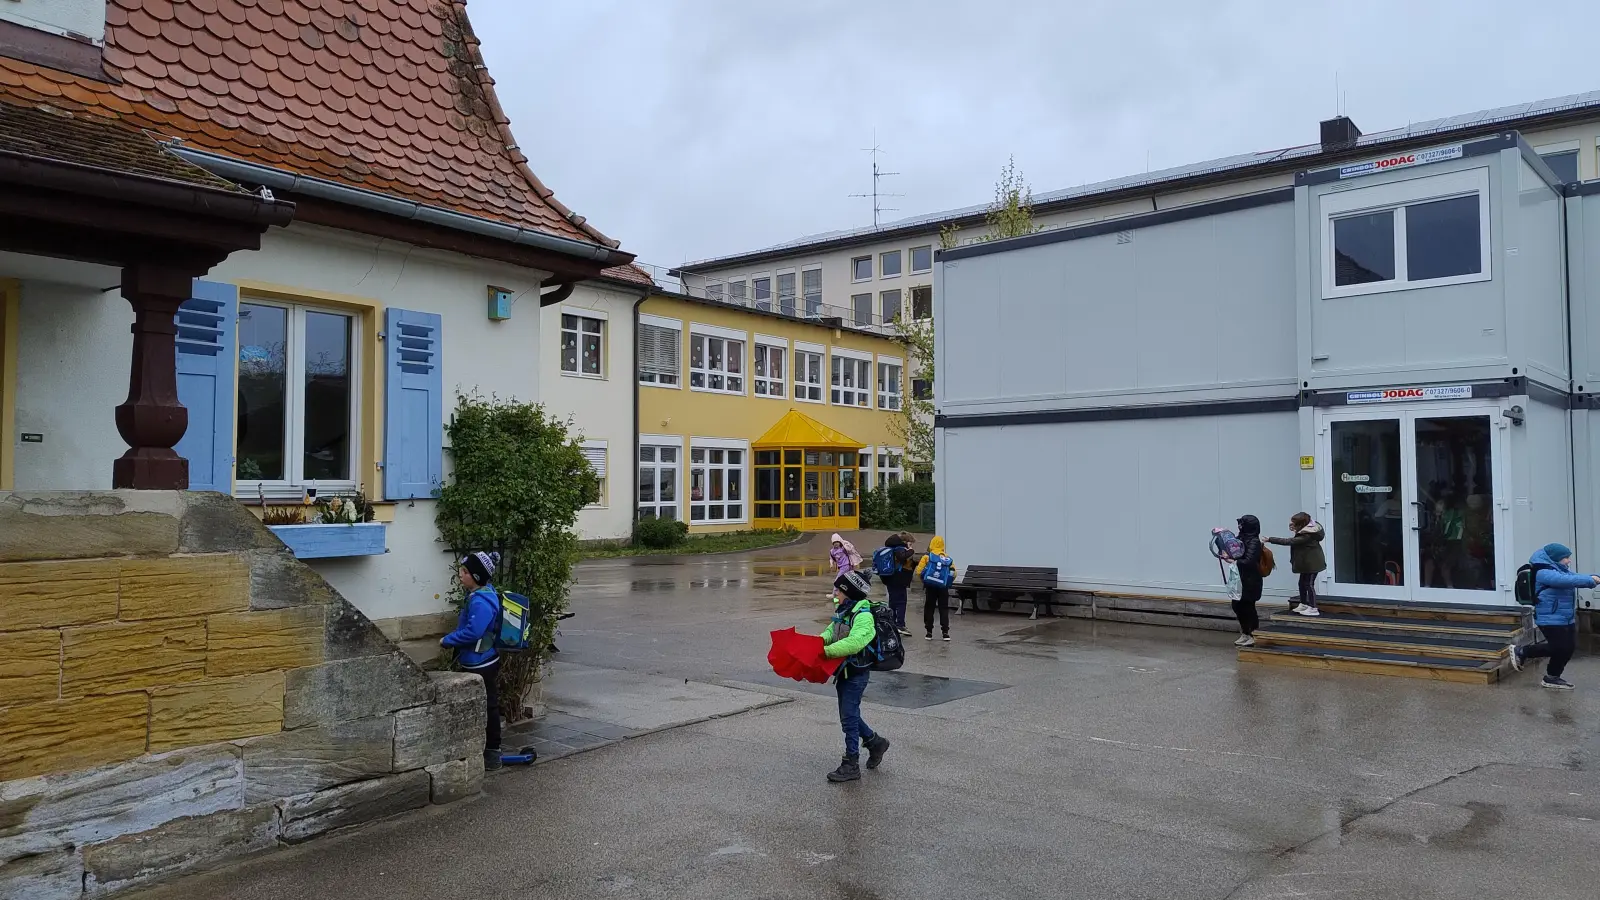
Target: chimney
[{"x": 1339, "y": 133}]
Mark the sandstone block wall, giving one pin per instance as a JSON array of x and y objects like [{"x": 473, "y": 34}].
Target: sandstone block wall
[{"x": 176, "y": 690}]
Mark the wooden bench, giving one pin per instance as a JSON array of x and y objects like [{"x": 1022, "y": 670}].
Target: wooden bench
[{"x": 1008, "y": 584}]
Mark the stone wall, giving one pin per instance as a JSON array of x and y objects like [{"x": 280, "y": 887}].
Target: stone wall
[{"x": 177, "y": 690}]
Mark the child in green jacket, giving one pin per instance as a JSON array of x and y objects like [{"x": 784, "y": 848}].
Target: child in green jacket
[{"x": 851, "y": 630}]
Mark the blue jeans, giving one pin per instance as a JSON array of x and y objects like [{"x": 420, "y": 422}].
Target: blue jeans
[
  {"x": 855, "y": 730},
  {"x": 897, "y": 602}
]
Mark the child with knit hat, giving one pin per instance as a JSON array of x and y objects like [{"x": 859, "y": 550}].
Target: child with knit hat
[
  {"x": 473, "y": 640},
  {"x": 1556, "y": 613}
]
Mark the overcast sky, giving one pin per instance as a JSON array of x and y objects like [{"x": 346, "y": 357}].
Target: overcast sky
[{"x": 697, "y": 128}]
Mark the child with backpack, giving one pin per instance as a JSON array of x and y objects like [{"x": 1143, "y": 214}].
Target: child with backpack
[
  {"x": 1248, "y": 563},
  {"x": 842, "y": 554},
  {"x": 937, "y": 572},
  {"x": 848, "y": 636},
  {"x": 1306, "y": 559},
  {"x": 1555, "y": 611},
  {"x": 892, "y": 564},
  {"x": 474, "y": 640}
]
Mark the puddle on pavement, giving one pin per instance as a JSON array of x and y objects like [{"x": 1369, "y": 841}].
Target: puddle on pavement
[
  {"x": 791, "y": 570},
  {"x": 661, "y": 586},
  {"x": 907, "y": 690}
]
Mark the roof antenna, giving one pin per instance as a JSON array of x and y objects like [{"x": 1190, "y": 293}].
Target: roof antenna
[{"x": 877, "y": 173}]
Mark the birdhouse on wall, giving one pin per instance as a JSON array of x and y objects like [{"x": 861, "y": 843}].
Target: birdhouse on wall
[{"x": 499, "y": 304}]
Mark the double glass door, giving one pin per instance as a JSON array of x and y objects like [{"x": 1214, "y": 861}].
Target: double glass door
[{"x": 1412, "y": 503}]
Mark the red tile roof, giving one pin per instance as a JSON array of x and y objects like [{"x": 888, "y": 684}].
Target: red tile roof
[
  {"x": 387, "y": 95},
  {"x": 628, "y": 272},
  {"x": 56, "y": 135}
]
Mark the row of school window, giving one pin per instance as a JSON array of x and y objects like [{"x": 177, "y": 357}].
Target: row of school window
[
  {"x": 722, "y": 363},
  {"x": 789, "y": 484}
]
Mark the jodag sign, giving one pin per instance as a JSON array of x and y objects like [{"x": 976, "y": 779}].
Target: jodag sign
[
  {"x": 1396, "y": 395},
  {"x": 1401, "y": 160}
]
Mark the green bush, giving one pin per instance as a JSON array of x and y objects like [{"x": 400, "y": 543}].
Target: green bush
[
  {"x": 905, "y": 502},
  {"x": 875, "y": 509},
  {"x": 660, "y": 534}
]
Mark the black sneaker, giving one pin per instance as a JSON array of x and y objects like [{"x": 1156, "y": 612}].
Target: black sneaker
[
  {"x": 849, "y": 770},
  {"x": 1556, "y": 683},
  {"x": 876, "y": 748},
  {"x": 491, "y": 760},
  {"x": 928, "y": 636},
  {"x": 947, "y": 635}
]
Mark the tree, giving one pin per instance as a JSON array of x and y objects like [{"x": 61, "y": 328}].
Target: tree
[
  {"x": 518, "y": 482},
  {"x": 1009, "y": 216}
]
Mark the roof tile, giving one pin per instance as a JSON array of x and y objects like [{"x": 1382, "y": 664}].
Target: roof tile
[{"x": 387, "y": 94}]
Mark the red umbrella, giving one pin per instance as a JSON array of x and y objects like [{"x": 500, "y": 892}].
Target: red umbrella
[{"x": 799, "y": 656}]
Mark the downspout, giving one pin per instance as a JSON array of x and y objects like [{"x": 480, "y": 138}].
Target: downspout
[
  {"x": 559, "y": 292},
  {"x": 634, "y": 517}
]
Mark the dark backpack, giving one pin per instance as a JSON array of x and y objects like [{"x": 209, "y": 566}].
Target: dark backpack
[
  {"x": 1527, "y": 584},
  {"x": 887, "y": 651},
  {"x": 886, "y": 561}
]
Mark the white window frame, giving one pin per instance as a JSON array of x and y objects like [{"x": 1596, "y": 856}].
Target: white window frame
[
  {"x": 911, "y": 256},
  {"x": 1563, "y": 147},
  {"x": 909, "y": 303},
  {"x": 709, "y": 333},
  {"x": 797, "y": 373},
  {"x": 581, "y": 314},
  {"x": 1396, "y": 196},
  {"x": 662, "y": 322},
  {"x": 738, "y": 291},
  {"x": 777, "y": 387},
  {"x": 602, "y": 470},
  {"x": 716, "y": 290},
  {"x": 900, "y": 257},
  {"x": 777, "y": 295},
  {"x": 856, "y": 279},
  {"x": 855, "y": 311},
  {"x": 883, "y": 308},
  {"x": 864, "y": 461},
  {"x": 804, "y": 306},
  {"x": 293, "y": 485},
  {"x": 860, "y": 395},
  {"x": 891, "y": 395},
  {"x": 890, "y": 466},
  {"x": 757, "y": 301},
  {"x": 707, "y": 445},
  {"x": 657, "y": 442}
]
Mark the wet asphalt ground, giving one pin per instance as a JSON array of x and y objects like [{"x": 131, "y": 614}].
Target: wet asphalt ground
[{"x": 1058, "y": 759}]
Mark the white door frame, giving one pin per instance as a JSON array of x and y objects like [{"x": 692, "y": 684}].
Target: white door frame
[{"x": 1405, "y": 415}]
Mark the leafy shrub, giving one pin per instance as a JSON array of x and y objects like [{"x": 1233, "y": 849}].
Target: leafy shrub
[
  {"x": 905, "y": 502},
  {"x": 519, "y": 480},
  {"x": 660, "y": 534},
  {"x": 875, "y": 509}
]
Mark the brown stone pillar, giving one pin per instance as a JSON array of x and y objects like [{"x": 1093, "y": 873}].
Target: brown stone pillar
[{"x": 152, "y": 420}]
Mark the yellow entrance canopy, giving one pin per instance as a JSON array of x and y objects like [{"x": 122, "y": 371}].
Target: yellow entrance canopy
[{"x": 796, "y": 429}]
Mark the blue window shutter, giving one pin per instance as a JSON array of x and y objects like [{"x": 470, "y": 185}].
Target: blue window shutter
[
  {"x": 206, "y": 324},
  {"x": 413, "y": 429}
]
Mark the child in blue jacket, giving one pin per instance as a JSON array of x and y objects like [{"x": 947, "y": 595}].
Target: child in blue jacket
[
  {"x": 1556, "y": 613},
  {"x": 473, "y": 640}
]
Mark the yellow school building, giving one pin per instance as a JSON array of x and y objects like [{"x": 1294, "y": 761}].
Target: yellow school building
[{"x": 759, "y": 418}]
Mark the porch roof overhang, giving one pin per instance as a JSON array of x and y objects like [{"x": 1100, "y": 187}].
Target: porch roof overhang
[
  {"x": 68, "y": 210},
  {"x": 796, "y": 429}
]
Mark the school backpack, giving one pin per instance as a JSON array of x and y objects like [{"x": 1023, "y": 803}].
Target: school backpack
[
  {"x": 886, "y": 561},
  {"x": 1225, "y": 544},
  {"x": 887, "y": 651},
  {"x": 1527, "y": 583},
  {"x": 1267, "y": 563},
  {"x": 939, "y": 571},
  {"x": 513, "y": 628}
]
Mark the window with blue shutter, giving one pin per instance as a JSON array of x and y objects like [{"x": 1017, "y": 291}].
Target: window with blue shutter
[
  {"x": 206, "y": 383},
  {"x": 413, "y": 464}
]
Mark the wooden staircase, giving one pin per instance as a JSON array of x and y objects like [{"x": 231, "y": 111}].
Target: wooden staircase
[{"x": 1443, "y": 642}]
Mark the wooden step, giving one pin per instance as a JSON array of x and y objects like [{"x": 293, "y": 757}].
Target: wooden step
[
  {"x": 1368, "y": 663},
  {"x": 1433, "y": 646},
  {"x": 1438, "y": 612},
  {"x": 1489, "y": 631}
]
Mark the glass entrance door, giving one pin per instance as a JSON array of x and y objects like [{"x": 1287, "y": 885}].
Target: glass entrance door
[{"x": 1409, "y": 498}]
